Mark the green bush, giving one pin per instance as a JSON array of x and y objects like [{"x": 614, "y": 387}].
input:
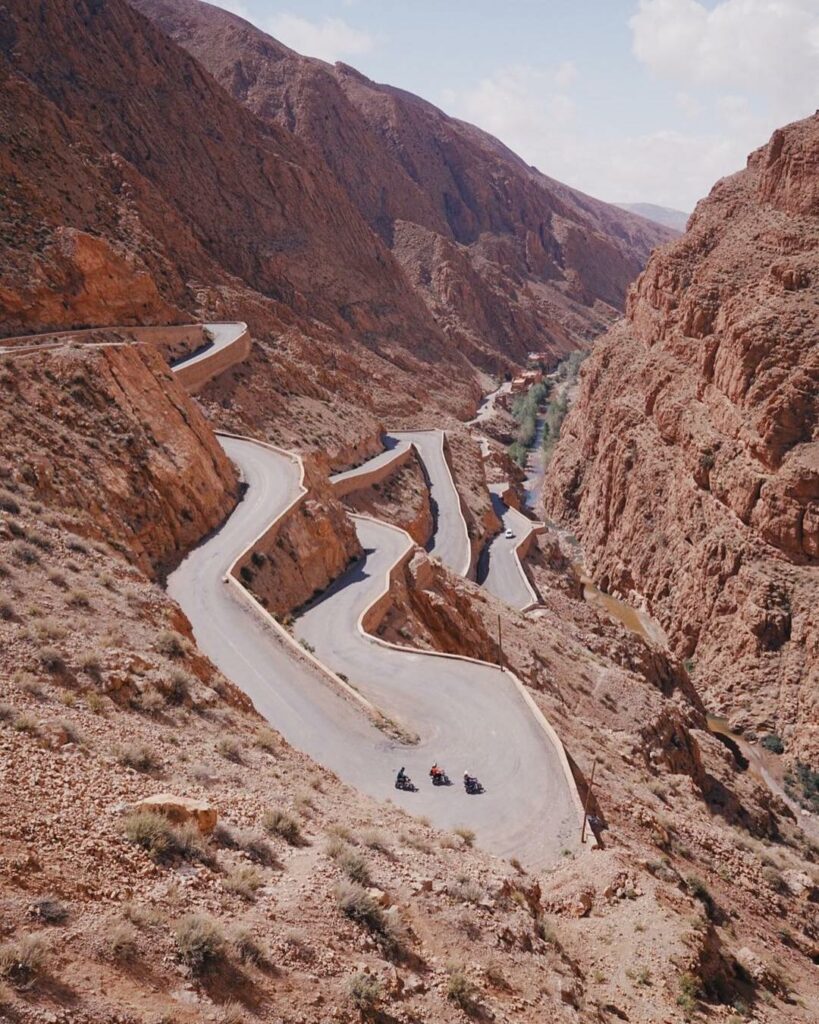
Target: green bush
[
  {"x": 518, "y": 454},
  {"x": 773, "y": 743}
]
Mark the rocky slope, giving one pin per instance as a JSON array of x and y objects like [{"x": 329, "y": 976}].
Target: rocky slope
[
  {"x": 138, "y": 191},
  {"x": 304, "y": 552},
  {"x": 690, "y": 465},
  {"x": 104, "y": 700},
  {"x": 506, "y": 259}
]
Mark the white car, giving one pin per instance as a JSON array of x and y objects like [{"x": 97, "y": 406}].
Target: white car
[{"x": 509, "y": 535}]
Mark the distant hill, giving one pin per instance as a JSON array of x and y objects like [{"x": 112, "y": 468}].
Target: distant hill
[{"x": 674, "y": 219}]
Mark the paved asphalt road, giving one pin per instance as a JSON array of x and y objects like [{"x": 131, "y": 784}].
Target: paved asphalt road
[
  {"x": 502, "y": 573},
  {"x": 486, "y": 410},
  {"x": 392, "y": 447},
  {"x": 468, "y": 716},
  {"x": 223, "y": 334},
  {"x": 450, "y": 541}
]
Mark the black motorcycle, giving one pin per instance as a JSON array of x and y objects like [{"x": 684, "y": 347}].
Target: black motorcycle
[
  {"x": 440, "y": 779},
  {"x": 471, "y": 785},
  {"x": 405, "y": 782}
]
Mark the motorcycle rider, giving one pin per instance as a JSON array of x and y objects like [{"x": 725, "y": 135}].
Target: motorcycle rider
[
  {"x": 435, "y": 771},
  {"x": 402, "y": 776}
]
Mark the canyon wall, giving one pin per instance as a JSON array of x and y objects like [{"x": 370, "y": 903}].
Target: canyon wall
[
  {"x": 175, "y": 203},
  {"x": 689, "y": 467}
]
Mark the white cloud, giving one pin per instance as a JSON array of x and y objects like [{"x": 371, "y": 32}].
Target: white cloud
[
  {"x": 565, "y": 74},
  {"x": 329, "y": 39},
  {"x": 767, "y": 47},
  {"x": 545, "y": 126}
]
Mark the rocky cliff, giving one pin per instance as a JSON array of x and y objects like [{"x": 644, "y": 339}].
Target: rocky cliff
[
  {"x": 690, "y": 464},
  {"x": 106, "y": 436},
  {"x": 304, "y": 552},
  {"x": 505, "y": 258}
]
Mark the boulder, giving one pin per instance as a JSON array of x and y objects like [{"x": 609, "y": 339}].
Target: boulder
[{"x": 180, "y": 809}]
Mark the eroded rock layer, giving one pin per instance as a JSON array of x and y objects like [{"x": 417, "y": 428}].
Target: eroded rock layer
[{"x": 690, "y": 464}]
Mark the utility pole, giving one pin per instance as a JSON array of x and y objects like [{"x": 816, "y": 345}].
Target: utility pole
[
  {"x": 500, "y": 644},
  {"x": 586, "y": 802}
]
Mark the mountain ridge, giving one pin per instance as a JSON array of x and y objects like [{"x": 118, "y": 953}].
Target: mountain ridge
[{"x": 506, "y": 259}]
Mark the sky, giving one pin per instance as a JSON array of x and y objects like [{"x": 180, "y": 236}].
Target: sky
[{"x": 628, "y": 100}]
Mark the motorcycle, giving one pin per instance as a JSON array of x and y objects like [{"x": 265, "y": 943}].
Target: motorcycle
[
  {"x": 440, "y": 778},
  {"x": 405, "y": 783},
  {"x": 472, "y": 786}
]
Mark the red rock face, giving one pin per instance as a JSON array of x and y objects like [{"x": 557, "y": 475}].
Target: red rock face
[
  {"x": 690, "y": 464},
  {"x": 505, "y": 258}
]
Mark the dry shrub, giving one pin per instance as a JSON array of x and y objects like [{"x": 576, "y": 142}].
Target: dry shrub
[
  {"x": 51, "y": 659},
  {"x": 138, "y": 756},
  {"x": 23, "y": 959},
  {"x": 163, "y": 840},
  {"x": 373, "y": 839},
  {"x": 79, "y": 599},
  {"x": 278, "y": 822},
  {"x": 171, "y": 644},
  {"x": 366, "y": 992},
  {"x": 122, "y": 941},
  {"x": 200, "y": 941},
  {"x": 467, "y": 834},
  {"x": 24, "y": 553},
  {"x": 247, "y": 946},
  {"x": 8, "y": 503},
  {"x": 460, "y": 990},
  {"x": 386, "y": 926},
  {"x": 230, "y": 749},
  {"x": 266, "y": 740},
  {"x": 244, "y": 880}
]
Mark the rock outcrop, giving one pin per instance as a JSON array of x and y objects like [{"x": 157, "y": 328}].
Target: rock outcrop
[
  {"x": 301, "y": 555},
  {"x": 401, "y": 499},
  {"x": 690, "y": 464},
  {"x": 108, "y": 436},
  {"x": 505, "y": 258}
]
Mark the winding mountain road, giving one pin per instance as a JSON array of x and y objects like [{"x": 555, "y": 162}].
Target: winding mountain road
[
  {"x": 450, "y": 539},
  {"x": 223, "y": 335},
  {"x": 501, "y": 571},
  {"x": 464, "y": 712}
]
